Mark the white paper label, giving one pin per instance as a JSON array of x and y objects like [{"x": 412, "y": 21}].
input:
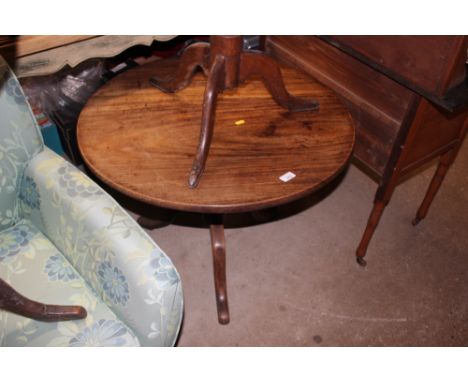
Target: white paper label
[
  {"x": 287, "y": 176},
  {"x": 115, "y": 69}
]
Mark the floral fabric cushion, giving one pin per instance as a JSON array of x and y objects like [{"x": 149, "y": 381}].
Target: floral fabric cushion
[
  {"x": 37, "y": 269},
  {"x": 19, "y": 142},
  {"x": 124, "y": 266}
]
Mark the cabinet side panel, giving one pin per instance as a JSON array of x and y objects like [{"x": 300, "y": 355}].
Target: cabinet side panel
[{"x": 377, "y": 104}]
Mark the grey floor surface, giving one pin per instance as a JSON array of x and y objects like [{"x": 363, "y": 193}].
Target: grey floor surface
[{"x": 293, "y": 281}]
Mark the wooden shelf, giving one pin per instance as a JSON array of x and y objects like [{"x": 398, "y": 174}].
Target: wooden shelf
[{"x": 43, "y": 55}]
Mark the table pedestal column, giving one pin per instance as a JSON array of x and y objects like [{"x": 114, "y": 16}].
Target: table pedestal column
[{"x": 218, "y": 247}]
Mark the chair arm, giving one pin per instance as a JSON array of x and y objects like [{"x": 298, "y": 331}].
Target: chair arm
[{"x": 107, "y": 247}]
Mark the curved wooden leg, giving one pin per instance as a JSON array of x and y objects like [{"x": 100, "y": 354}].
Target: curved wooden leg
[
  {"x": 195, "y": 55},
  {"x": 14, "y": 302},
  {"x": 149, "y": 223},
  {"x": 374, "y": 219},
  {"x": 214, "y": 86},
  {"x": 265, "y": 215},
  {"x": 218, "y": 246},
  {"x": 165, "y": 218},
  {"x": 257, "y": 63},
  {"x": 444, "y": 164}
]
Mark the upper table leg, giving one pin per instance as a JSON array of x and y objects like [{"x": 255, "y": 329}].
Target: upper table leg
[
  {"x": 194, "y": 56},
  {"x": 228, "y": 66}
]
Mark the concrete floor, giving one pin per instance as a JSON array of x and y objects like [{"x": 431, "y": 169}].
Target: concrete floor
[{"x": 293, "y": 281}]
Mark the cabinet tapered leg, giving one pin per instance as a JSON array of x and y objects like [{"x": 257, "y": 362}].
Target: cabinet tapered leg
[
  {"x": 444, "y": 164},
  {"x": 374, "y": 219},
  {"x": 218, "y": 246}
]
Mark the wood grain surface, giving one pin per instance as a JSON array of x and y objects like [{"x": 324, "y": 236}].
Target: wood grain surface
[
  {"x": 29, "y": 44},
  {"x": 431, "y": 63},
  {"x": 142, "y": 141},
  {"x": 376, "y": 103}
]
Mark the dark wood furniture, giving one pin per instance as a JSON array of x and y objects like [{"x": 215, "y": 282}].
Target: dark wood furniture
[
  {"x": 407, "y": 96},
  {"x": 141, "y": 142},
  {"x": 15, "y": 302},
  {"x": 226, "y": 66}
]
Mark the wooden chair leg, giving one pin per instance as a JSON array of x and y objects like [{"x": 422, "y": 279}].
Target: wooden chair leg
[
  {"x": 444, "y": 164},
  {"x": 258, "y": 63},
  {"x": 14, "y": 302},
  {"x": 218, "y": 246},
  {"x": 372, "y": 223},
  {"x": 213, "y": 87},
  {"x": 195, "y": 55}
]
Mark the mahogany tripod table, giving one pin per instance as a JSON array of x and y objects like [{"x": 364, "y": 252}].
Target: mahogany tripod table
[{"x": 141, "y": 142}]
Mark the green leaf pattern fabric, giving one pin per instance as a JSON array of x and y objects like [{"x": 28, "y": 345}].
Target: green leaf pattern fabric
[
  {"x": 19, "y": 142},
  {"x": 63, "y": 237},
  {"x": 28, "y": 255}
]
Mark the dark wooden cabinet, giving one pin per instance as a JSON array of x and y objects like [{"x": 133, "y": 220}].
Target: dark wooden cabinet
[{"x": 408, "y": 96}]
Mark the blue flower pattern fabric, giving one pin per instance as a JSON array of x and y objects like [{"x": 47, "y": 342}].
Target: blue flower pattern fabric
[
  {"x": 61, "y": 235},
  {"x": 19, "y": 143},
  {"x": 57, "y": 269},
  {"x": 76, "y": 185},
  {"x": 113, "y": 282},
  {"x": 13, "y": 240},
  {"x": 162, "y": 269},
  {"x": 13, "y": 90},
  {"x": 101, "y": 333},
  {"x": 55, "y": 281},
  {"x": 29, "y": 195}
]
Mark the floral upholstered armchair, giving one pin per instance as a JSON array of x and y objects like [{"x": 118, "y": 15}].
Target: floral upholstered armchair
[{"x": 64, "y": 241}]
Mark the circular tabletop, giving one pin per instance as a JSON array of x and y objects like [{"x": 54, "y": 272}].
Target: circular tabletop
[{"x": 142, "y": 142}]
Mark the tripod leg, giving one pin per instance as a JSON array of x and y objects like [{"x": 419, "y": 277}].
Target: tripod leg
[
  {"x": 14, "y": 302},
  {"x": 213, "y": 87},
  {"x": 196, "y": 55},
  {"x": 257, "y": 63}
]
